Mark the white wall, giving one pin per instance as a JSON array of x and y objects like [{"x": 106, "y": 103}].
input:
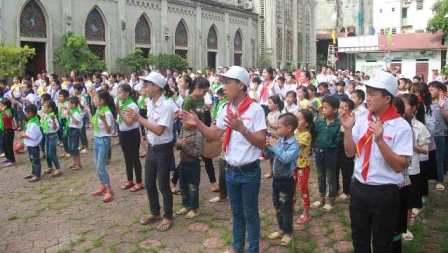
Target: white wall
[
  {"x": 419, "y": 18},
  {"x": 386, "y": 14}
]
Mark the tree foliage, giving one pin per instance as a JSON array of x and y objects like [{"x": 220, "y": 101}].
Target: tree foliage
[
  {"x": 135, "y": 60},
  {"x": 74, "y": 54},
  {"x": 13, "y": 60},
  {"x": 265, "y": 61},
  {"x": 167, "y": 61},
  {"x": 439, "y": 22}
]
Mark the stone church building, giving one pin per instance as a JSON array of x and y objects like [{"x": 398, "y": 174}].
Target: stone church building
[{"x": 205, "y": 32}]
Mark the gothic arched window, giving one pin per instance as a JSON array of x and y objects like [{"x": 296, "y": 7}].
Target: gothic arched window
[
  {"x": 32, "y": 21},
  {"x": 181, "y": 40},
  {"x": 238, "y": 49},
  {"x": 95, "y": 28}
]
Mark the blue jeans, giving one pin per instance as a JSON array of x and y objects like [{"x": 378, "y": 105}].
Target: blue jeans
[
  {"x": 326, "y": 172},
  {"x": 243, "y": 187},
  {"x": 73, "y": 140},
  {"x": 51, "y": 142},
  {"x": 102, "y": 147},
  {"x": 440, "y": 157},
  {"x": 34, "y": 154},
  {"x": 190, "y": 175}
]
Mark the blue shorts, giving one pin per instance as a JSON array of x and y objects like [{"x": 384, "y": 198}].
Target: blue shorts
[{"x": 73, "y": 135}]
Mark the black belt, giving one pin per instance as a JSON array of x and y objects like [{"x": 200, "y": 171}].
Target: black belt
[
  {"x": 161, "y": 147},
  {"x": 248, "y": 166},
  {"x": 377, "y": 187}
]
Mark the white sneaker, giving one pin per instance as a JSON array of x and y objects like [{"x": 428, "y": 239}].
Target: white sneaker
[
  {"x": 328, "y": 207},
  {"x": 215, "y": 199},
  {"x": 343, "y": 196},
  {"x": 316, "y": 204},
  {"x": 408, "y": 236},
  {"x": 440, "y": 187},
  {"x": 182, "y": 211},
  {"x": 83, "y": 151},
  {"x": 191, "y": 214}
]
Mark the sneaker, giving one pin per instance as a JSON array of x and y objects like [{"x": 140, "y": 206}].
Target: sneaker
[
  {"x": 216, "y": 199},
  {"x": 328, "y": 207},
  {"x": 275, "y": 235},
  {"x": 2, "y": 155},
  {"x": 182, "y": 211},
  {"x": 440, "y": 187},
  {"x": 191, "y": 214},
  {"x": 343, "y": 196},
  {"x": 28, "y": 177},
  {"x": 83, "y": 151},
  {"x": 7, "y": 164},
  {"x": 34, "y": 179},
  {"x": 286, "y": 239},
  {"x": 56, "y": 173},
  {"x": 408, "y": 236},
  {"x": 317, "y": 204}
]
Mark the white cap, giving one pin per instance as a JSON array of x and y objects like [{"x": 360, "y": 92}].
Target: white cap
[
  {"x": 105, "y": 73},
  {"x": 155, "y": 78},
  {"x": 384, "y": 81},
  {"x": 238, "y": 73}
]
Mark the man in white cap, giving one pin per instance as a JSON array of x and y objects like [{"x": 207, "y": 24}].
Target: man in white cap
[
  {"x": 242, "y": 123},
  {"x": 382, "y": 144},
  {"x": 160, "y": 156}
]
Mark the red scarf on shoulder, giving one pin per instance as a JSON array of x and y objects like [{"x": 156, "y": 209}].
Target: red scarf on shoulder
[
  {"x": 366, "y": 139},
  {"x": 242, "y": 107}
]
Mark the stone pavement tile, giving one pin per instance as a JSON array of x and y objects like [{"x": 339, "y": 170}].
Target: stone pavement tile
[
  {"x": 213, "y": 243},
  {"x": 336, "y": 236},
  {"x": 45, "y": 243},
  {"x": 326, "y": 250},
  {"x": 321, "y": 240},
  {"x": 20, "y": 245},
  {"x": 317, "y": 230},
  {"x": 150, "y": 244},
  {"x": 276, "y": 249},
  {"x": 343, "y": 246}
]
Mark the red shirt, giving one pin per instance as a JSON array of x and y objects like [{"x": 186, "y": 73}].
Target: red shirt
[{"x": 7, "y": 121}]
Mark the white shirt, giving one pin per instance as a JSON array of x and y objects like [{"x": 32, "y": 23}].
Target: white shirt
[
  {"x": 293, "y": 108},
  {"x": 78, "y": 117},
  {"x": 360, "y": 111},
  {"x": 34, "y": 135},
  {"x": 32, "y": 99},
  {"x": 51, "y": 129},
  {"x": 289, "y": 87},
  {"x": 125, "y": 127},
  {"x": 398, "y": 136},
  {"x": 162, "y": 114},
  {"x": 102, "y": 129},
  {"x": 422, "y": 139},
  {"x": 240, "y": 151}
]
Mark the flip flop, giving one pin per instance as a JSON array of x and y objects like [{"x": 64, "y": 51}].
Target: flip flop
[
  {"x": 150, "y": 219},
  {"x": 303, "y": 219},
  {"x": 164, "y": 226}
]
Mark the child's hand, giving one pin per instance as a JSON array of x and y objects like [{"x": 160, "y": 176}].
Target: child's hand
[
  {"x": 183, "y": 141},
  {"x": 23, "y": 136}
]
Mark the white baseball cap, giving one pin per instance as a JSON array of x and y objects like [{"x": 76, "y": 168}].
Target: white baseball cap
[
  {"x": 238, "y": 73},
  {"x": 155, "y": 78},
  {"x": 384, "y": 81}
]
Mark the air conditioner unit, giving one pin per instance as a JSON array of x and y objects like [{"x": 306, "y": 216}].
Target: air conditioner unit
[{"x": 248, "y": 6}]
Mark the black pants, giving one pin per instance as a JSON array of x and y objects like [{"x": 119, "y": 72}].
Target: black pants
[
  {"x": 157, "y": 171},
  {"x": 8, "y": 144},
  {"x": 34, "y": 155},
  {"x": 210, "y": 169},
  {"x": 282, "y": 196},
  {"x": 222, "y": 179},
  {"x": 373, "y": 213},
  {"x": 345, "y": 165},
  {"x": 130, "y": 144},
  {"x": 415, "y": 192},
  {"x": 425, "y": 170}
]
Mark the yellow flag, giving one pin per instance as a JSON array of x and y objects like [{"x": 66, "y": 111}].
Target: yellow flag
[{"x": 333, "y": 36}]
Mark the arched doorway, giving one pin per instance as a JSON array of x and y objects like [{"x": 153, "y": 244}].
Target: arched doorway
[
  {"x": 95, "y": 32},
  {"x": 143, "y": 35},
  {"x": 212, "y": 47},
  {"x": 181, "y": 40},
  {"x": 238, "y": 49},
  {"x": 33, "y": 33}
]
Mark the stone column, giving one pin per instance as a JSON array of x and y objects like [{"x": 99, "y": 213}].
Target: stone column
[
  {"x": 198, "y": 52},
  {"x": 125, "y": 26},
  {"x": 227, "y": 47},
  {"x": 164, "y": 45},
  {"x": 295, "y": 47}
]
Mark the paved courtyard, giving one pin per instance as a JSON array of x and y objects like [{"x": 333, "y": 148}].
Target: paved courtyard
[{"x": 59, "y": 215}]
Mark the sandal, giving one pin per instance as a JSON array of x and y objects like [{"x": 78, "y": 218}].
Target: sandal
[
  {"x": 48, "y": 171},
  {"x": 137, "y": 187},
  {"x": 149, "y": 219},
  {"x": 275, "y": 235},
  {"x": 303, "y": 219},
  {"x": 317, "y": 204},
  {"x": 408, "y": 236},
  {"x": 127, "y": 185},
  {"x": 175, "y": 191},
  {"x": 440, "y": 187},
  {"x": 165, "y": 225},
  {"x": 286, "y": 239}
]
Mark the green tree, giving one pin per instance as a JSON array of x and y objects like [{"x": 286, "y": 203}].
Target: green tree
[
  {"x": 264, "y": 61},
  {"x": 439, "y": 22},
  {"x": 74, "y": 54},
  {"x": 135, "y": 60},
  {"x": 167, "y": 61},
  {"x": 13, "y": 60}
]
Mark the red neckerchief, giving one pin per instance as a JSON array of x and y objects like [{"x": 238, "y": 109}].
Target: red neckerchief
[
  {"x": 242, "y": 107},
  {"x": 264, "y": 94},
  {"x": 366, "y": 139}
]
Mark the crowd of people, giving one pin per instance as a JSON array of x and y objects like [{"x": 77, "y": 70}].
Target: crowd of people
[{"x": 376, "y": 141}]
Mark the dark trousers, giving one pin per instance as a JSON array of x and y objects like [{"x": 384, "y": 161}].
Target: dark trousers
[
  {"x": 8, "y": 144},
  {"x": 130, "y": 144},
  {"x": 190, "y": 177},
  {"x": 415, "y": 191},
  {"x": 345, "y": 165},
  {"x": 51, "y": 143},
  {"x": 157, "y": 171},
  {"x": 426, "y": 169},
  {"x": 34, "y": 154},
  {"x": 222, "y": 179},
  {"x": 326, "y": 171},
  {"x": 373, "y": 214},
  {"x": 210, "y": 169},
  {"x": 283, "y": 190},
  {"x": 63, "y": 136},
  {"x": 83, "y": 138}
]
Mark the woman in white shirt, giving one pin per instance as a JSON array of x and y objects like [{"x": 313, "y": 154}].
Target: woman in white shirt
[
  {"x": 129, "y": 135},
  {"x": 103, "y": 123}
]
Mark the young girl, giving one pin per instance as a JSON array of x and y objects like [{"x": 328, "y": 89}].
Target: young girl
[
  {"x": 421, "y": 142},
  {"x": 62, "y": 105},
  {"x": 302, "y": 97},
  {"x": 275, "y": 106},
  {"x": 74, "y": 125},
  {"x": 103, "y": 123},
  {"x": 50, "y": 127},
  {"x": 129, "y": 135},
  {"x": 266, "y": 88},
  {"x": 141, "y": 102},
  {"x": 291, "y": 102},
  {"x": 304, "y": 136},
  {"x": 7, "y": 119}
]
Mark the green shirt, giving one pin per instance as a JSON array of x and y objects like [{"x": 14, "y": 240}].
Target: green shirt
[{"x": 327, "y": 135}]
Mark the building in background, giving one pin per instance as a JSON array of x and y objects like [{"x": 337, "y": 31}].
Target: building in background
[{"x": 205, "y": 32}]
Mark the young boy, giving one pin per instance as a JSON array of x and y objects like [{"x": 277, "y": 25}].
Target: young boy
[
  {"x": 78, "y": 91},
  {"x": 327, "y": 133},
  {"x": 62, "y": 105},
  {"x": 358, "y": 98},
  {"x": 32, "y": 138},
  {"x": 189, "y": 143},
  {"x": 285, "y": 152}
]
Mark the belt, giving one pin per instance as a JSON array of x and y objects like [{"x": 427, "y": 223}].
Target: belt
[
  {"x": 161, "y": 147},
  {"x": 248, "y": 166},
  {"x": 377, "y": 187}
]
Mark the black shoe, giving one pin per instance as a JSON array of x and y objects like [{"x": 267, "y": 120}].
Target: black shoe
[
  {"x": 28, "y": 177},
  {"x": 34, "y": 179}
]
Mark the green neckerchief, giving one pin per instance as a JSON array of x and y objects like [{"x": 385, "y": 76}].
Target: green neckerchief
[
  {"x": 221, "y": 103},
  {"x": 33, "y": 120},
  {"x": 122, "y": 105},
  {"x": 69, "y": 120},
  {"x": 141, "y": 102},
  {"x": 95, "y": 118},
  {"x": 61, "y": 110},
  {"x": 46, "y": 122}
]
